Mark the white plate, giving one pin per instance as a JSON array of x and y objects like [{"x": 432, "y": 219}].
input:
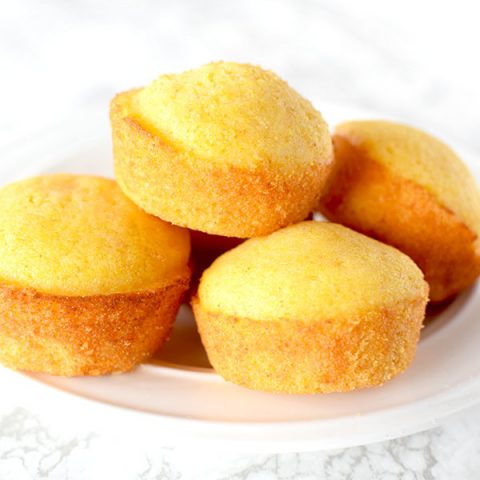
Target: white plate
[{"x": 178, "y": 394}]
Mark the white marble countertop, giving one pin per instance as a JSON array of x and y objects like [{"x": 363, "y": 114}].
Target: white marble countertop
[{"x": 417, "y": 61}]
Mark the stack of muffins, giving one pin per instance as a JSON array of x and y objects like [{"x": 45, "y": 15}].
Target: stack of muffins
[{"x": 223, "y": 164}]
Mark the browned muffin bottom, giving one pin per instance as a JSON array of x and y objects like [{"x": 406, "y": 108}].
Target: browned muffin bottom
[{"x": 91, "y": 335}]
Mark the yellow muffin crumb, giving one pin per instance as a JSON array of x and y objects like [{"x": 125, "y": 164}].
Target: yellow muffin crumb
[{"x": 79, "y": 235}]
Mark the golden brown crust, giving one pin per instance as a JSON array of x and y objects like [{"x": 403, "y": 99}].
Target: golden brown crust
[
  {"x": 365, "y": 196},
  {"x": 228, "y": 201},
  {"x": 291, "y": 356},
  {"x": 92, "y": 335}
]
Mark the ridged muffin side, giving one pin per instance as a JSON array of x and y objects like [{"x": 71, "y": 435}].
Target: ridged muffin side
[
  {"x": 90, "y": 335},
  {"x": 294, "y": 356}
]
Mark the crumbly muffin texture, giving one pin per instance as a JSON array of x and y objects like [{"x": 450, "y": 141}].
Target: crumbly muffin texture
[
  {"x": 312, "y": 308},
  {"x": 409, "y": 190},
  {"x": 226, "y": 149},
  {"x": 308, "y": 271},
  {"x": 80, "y": 235},
  {"x": 235, "y": 114},
  {"x": 421, "y": 158}
]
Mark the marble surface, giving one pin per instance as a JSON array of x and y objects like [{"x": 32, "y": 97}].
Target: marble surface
[
  {"x": 33, "y": 445},
  {"x": 416, "y": 61}
]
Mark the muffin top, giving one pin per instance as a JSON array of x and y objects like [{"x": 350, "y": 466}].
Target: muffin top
[
  {"x": 236, "y": 115},
  {"x": 417, "y": 156},
  {"x": 79, "y": 235},
  {"x": 309, "y": 271}
]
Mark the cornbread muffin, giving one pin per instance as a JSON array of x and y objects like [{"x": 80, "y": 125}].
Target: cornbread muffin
[
  {"x": 312, "y": 308},
  {"x": 227, "y": 149},
  {"x": 408, "y": 189},
  {"x": 89, "y": 283}
]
